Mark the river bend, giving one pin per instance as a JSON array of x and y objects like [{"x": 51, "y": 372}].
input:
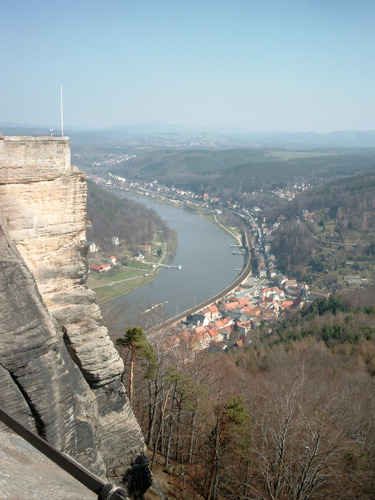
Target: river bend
[{"x": 208, "y": 266}]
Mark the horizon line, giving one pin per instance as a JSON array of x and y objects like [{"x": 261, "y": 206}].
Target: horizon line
[{"x": 196, "y": 128}]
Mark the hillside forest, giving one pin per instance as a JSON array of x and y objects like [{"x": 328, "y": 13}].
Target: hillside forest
[
  {"x": 335, "y": 237},
  {"x": 229, "y": 173},
  {"x": 290, "y": 415},
  {"x": 127, "y": 219}
]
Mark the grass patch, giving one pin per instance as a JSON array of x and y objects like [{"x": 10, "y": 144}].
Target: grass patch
[
  {"x": 108, "y": 286},
  {"x": 111, "y": 291},
  {"x": 137, "y": 264},
  {"x": 233, "y": 232},
  {"x": 101, "y": 279}
]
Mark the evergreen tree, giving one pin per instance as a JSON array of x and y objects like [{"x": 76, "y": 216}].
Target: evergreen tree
[{"x": 140, "y": 349}]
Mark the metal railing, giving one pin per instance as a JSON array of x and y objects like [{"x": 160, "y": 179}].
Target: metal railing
[{"x": 105, "y": 491}]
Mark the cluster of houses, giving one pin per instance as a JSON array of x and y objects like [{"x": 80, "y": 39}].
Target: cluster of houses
[
  {"x": 175, "y": 195},
  {"x": 102, "y": 268},
  {"x": 229, "y": 322},
  {"x": 291, "y": 192},
  {"x": 139, "y": 255},
  {"x": 263, "y": 297},
  {"x": 115, "y": 159}
]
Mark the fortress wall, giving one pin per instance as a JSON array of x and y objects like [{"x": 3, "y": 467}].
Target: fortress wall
[{"x": 23, "y": 155}]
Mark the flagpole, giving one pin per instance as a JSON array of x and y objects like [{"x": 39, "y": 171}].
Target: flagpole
[{"x": 62, "y": 112}]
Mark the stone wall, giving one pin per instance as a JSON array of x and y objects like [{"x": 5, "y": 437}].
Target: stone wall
[
  {"x": 48, "y": 155},
  {"x": 43, "y": 213}
]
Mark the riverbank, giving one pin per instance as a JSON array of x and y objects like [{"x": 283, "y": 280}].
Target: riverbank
[
  {"x": 130, "y": 274},
  {"x": 234, "y": 232},
  {"x": 196, "y": 207},
  {"x": 193, "y": 272},
  {"x": 247, "y": 271}
]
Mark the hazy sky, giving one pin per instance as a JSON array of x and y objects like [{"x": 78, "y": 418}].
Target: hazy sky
[{"x": 289, "y": 65}]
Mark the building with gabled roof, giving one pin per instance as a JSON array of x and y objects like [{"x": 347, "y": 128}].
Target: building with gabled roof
[{"x": 214, "y": 312}]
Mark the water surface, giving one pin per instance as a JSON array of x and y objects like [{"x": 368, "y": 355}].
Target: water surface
[{"x": 208, "y": 266}]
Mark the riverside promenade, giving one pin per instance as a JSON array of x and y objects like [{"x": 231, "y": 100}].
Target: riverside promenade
[{"x": 245, "y": 273}]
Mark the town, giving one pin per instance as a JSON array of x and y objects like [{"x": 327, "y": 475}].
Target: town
[{"x": 264, "y": 295}]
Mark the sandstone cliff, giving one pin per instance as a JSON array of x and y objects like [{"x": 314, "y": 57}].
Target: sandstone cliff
[{"x": 59, "y": 370}]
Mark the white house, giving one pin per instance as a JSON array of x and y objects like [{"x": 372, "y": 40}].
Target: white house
[{"x": 92, "y": 247}]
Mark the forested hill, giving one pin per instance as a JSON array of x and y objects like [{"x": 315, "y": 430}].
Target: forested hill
[
  {"x": 349, "y": 197},
  {"x": 130, "y": 221},
  {"x": 288, "y": 416},
  {"x": 329, "y": 231},
  {"x": 227, "y": 172},
  {"x": 335, "y": 320}
]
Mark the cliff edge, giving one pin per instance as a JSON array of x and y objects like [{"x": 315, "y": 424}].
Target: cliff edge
[{"x": 59, "y": 370}]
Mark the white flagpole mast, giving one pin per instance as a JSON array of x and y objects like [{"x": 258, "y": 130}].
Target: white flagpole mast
[{"x": 62, "y": 111}]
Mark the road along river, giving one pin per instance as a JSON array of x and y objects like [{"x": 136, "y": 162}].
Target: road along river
[{"x": 207, "y": 262}]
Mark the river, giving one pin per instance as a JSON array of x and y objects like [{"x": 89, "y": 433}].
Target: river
[{"x": 208, "y": 266}]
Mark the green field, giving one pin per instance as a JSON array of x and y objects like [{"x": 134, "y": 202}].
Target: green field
[
  {"x": 232, "y": 231},
  {"x": 113, "y": 290},
  {"x": 109, "y": 285},
  {"x": 292, "y": 155},
  {"x": 101, "y": 279}
]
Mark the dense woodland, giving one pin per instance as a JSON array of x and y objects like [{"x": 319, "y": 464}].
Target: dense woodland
[
  {"x": 289, "y": 416},
  {"x": 341, "y": 229},
  {"x": 231, "y": 173},
  {"x": 130, "y": 221}
]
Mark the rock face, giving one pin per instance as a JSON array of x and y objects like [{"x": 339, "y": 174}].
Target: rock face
[
  {"x": 26, "y": 473},
  {"x": 59, "y": 368}
]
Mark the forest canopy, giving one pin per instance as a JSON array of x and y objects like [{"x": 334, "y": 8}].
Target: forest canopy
[{"x": 289, "y": 416}]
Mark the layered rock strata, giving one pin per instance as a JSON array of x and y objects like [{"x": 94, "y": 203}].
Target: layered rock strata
[{"x": 57, "y": 362}]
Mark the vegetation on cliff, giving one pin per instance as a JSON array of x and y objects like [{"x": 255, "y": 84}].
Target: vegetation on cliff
[
  {"x": 60, "y": 373},
  {"x": 288, "y": 416}
]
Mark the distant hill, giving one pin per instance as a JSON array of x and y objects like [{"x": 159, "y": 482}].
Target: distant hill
[
  {"x": 352, "y": 139},
  {"x": 183, "y": 135},
  {"x": 228, "y": 172}
]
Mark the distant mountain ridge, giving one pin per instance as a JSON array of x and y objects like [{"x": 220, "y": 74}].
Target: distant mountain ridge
[
  {"x": 343, "y": 138},
  {"x": 155, "y": 133}
]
